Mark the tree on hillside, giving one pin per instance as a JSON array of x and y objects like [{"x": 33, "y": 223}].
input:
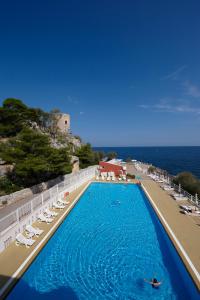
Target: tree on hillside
[
  {"x": 33, "y": 158},
  {"x": 12, "y": 117},
  {"x": 15, "y": 115},
  {"x": 86, "y": 156}
]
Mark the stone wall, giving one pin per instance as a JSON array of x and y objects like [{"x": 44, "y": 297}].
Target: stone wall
[
  {"x": 63, "y": 122},
  {"x": 29, "y": 193}
]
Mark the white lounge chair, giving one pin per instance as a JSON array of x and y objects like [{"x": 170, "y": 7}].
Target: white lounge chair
[
  {"x": 97, "y": 177},
  {"x": 57, "y": 205},
  {"x": 190, "y": 210},
  {"x": 167, "y": 188},
  {"x": 42, "y": 218},
  {"x": 35, "y": 231},
  {"x": 174, "y": 194},
  {"x": 22, "y": 240},
  {"x": 50, "y": 213},
  {"x": 63, "y": 202},
  {"x": 102, "y": 177},
  {"x": 158, "y": 180},
  {"x": 180, "y": 198}
]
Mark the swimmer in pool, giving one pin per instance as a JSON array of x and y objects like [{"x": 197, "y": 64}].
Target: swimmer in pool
[{"x": 154, "y": 282}]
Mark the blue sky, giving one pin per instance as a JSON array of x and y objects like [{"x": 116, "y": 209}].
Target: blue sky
[{"x": 128, "y": 72}]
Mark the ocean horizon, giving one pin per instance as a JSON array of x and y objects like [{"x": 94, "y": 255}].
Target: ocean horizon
[{"x": 173, "y": 159}]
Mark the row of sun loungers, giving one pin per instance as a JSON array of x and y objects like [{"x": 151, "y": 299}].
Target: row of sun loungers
[
  {"x": 111, "y": 177},
  {"x": 173, "y": 193},
  {"x": 158, "y": 178},
  {"x": 22, "y": 240},
  {"x": 186, "y": 209},
  {"x": 190, "y": 210},
  {"x": 30, "y": 232},
  {"x": 167, "y": 188},
  {"x": 47, "y": 217}
]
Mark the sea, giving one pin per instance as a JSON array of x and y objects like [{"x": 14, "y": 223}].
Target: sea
[{"x": 172, "y": 159}]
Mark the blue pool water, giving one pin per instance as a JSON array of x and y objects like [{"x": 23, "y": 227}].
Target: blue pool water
[{"x": 104, "y": 249}]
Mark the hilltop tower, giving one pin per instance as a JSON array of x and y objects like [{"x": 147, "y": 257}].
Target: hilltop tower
[{"x": 63, "y": 122}]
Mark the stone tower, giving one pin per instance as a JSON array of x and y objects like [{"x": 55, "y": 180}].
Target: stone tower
[{"x": 63, "y": 122}]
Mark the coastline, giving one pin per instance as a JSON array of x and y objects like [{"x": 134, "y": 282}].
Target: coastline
[{"x": 173, "y": 159}]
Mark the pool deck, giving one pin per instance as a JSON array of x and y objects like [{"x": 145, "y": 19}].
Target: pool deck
[{"x": 185, "y": 228}]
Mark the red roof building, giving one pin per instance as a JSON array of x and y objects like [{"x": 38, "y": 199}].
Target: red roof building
[{"x": 112, "y": 166}]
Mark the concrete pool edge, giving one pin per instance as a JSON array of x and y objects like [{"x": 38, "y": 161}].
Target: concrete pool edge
[
  {"x": 194, "y": 274},
  {"x": 175, "y": 242},
  {"x": 11, "y": 282}
]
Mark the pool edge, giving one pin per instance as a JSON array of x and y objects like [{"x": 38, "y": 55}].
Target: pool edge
[
  {"x": 12, "y": 281},
  {"x": 194, "y": 274}
]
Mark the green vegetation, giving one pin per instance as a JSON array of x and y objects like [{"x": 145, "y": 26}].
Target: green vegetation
[
  {"x": 26, "y": 138},
  {"x": 78, "y": 138},
  {"x": 111, "y": 155},
  {"x": 33, "y": 158},
  {"x": 130, "y": 176},
  {"x": 151, "y": 169},
  {"x": 87, "y": 156},
  {"x": 28, "y": 146},
  {"x": 7, "y": 186},
  {"x": 189, "y": 182},
  {"x": 15, "y": 115}
]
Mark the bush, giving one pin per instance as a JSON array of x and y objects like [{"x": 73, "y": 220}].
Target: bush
[
  {"x": 111, "y": 155},
  {"x": 189, "y": 182},
  {"x": 131, "y": 176},
  {"x": 151, "y": 169},
  {"x": 86, "y": 156},
  {"x": 7, "y": 186}
]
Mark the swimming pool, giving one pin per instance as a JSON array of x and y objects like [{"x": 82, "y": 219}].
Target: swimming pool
[{"x": 104, "y": 249}]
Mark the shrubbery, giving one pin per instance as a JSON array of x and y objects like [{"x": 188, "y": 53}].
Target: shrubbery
[
  {"x": 151, "y": 169},
  {"x": 189, "y": 182},
  {"x": 15, "y": 115},
  {"x": 111, "y": 155},
  {"x": 33, "y": 158},
  {"x": 87, "y": 156},
  {"x": 130, "y": 176},
  {"x": 7, "y": 186}
]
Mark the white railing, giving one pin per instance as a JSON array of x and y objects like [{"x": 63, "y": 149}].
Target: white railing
[
  {"x": 193, "y": 199},
  {"x": 16, "y": 221},
  {"x": 143, "y": 168}
]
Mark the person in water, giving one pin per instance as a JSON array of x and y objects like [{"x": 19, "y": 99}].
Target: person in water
[{"x": 154, "y": 282}]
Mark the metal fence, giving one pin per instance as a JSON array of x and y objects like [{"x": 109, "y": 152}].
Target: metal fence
[
  {"x": 168, "y": 178},
  {"x": 26, "y": 209}
]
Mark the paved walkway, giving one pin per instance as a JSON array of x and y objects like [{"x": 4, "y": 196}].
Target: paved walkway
[
  {"x": 7, "y": 209},
  {"x": 185, "y": 227},
  {"x": 131, "y": 169}
]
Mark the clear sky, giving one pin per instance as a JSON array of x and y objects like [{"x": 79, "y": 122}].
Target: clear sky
[{"x": 127, "y": 71}]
